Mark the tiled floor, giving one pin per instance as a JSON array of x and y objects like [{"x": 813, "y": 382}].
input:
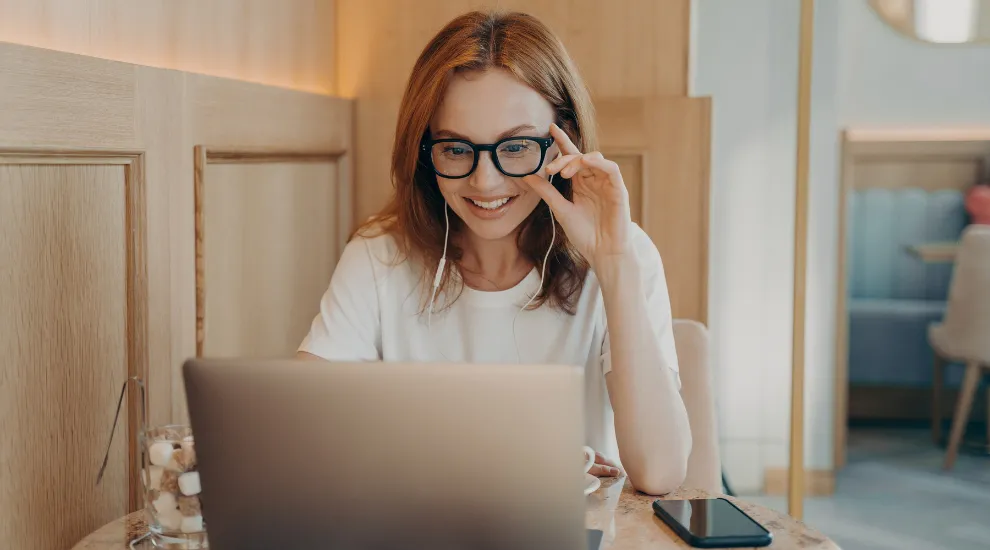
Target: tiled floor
[{"x": 893, "y": 495}]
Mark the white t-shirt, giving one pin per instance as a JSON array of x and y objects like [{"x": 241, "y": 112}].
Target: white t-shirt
[{"x": 371, "y": 312}]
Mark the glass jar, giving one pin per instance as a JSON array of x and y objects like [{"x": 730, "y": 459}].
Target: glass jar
[{"x": 172, "y": 488}]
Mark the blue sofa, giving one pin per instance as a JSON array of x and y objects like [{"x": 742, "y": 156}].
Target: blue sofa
[{"x": 894, "y": 296}]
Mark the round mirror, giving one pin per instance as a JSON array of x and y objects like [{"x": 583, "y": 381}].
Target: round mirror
[{"x": 937, "y": 21}]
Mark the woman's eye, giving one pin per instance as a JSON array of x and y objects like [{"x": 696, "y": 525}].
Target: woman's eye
[
  {"x": 455, "y": 151},
  {"x": 514, "y": 148}
]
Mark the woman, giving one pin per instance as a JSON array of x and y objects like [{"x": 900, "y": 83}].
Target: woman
[{"x": 480, "y": 258}]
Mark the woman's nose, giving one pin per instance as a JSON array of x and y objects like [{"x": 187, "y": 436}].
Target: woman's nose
[{"x": 486, "y": 176}]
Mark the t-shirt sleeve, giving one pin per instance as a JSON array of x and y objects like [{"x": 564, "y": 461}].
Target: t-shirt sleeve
[
  {"x": 348, "y": 326},
  {"x": 657, "y": 303}
]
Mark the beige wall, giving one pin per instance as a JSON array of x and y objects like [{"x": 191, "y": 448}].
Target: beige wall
[{"x": 287, "y": 43}]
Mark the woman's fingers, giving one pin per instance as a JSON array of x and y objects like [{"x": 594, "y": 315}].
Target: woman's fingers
[
  {"x": 563, "y": 141},
  {"x": 602, "y": 470},
  {"x": 569, "y": 165},
  {"x": 558, "y": 163},
  {"x": 604, "y": 467},
  {"x": 573, "y": 167},
  {"x": 597, "y": 162},
  {"x": 602, "y": 459},
  {"x": 549, "y": 194}
]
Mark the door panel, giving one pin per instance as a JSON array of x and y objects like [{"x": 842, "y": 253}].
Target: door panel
[
  {"x": 63, "y": 339},
  {"x": 268, "y": 250}
]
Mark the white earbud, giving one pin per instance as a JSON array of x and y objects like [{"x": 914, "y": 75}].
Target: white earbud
[
  {"x": 439, "y": 276},
  {"x": 443, "y": 258}
]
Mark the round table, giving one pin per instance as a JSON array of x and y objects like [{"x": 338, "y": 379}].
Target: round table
[{"x": 625, "y": 516}]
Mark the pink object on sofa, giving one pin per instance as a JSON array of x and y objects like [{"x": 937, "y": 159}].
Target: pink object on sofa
[{"x": 978, "y": 204}]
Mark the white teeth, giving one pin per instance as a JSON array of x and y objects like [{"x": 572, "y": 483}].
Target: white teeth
[{"x": 491, "y": 205}]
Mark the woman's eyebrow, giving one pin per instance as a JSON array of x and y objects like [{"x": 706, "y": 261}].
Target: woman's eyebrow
[
  {"x": 443, "y": 134},
  {"x": 516, "y": 130}
]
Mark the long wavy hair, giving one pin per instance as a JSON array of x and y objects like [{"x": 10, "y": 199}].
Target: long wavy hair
[{"x": 479, "y": 41}]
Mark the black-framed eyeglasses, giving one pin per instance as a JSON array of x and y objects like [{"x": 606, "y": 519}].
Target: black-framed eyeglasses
[{"x": 514, "y": 156}]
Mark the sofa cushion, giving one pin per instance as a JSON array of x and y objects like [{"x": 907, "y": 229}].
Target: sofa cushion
[{"x": 888, "y": 341}]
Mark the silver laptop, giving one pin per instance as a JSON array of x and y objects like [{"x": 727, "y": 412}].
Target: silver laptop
[{"x": 303, "y": 454}]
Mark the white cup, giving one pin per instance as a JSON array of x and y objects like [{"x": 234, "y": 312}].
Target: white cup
[{"x": 589, "y": 458}]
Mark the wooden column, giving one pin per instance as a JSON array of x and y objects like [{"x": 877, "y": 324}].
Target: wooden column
[{"x": 795, "y": 490}]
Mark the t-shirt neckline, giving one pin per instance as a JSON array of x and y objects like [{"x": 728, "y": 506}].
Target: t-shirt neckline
[{"x": 515, "y": 296}]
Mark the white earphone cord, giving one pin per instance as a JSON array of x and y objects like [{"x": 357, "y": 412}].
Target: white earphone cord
[
  {"x": 443, "y": 262},
  {"x": 437, "y": 277},
  {"x": 543, "y": 271}
]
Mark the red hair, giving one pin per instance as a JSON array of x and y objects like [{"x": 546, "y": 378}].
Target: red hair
[{"x": 479, "y": 41}]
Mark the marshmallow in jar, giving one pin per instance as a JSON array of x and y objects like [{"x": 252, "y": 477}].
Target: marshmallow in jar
[{"x": 172, "y": 481}]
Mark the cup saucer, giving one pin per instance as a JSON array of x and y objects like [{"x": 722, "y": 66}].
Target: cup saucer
[{"x": 591, "y": 483}]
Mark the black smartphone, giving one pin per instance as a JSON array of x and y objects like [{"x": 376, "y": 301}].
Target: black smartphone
[
  {"x": 595, "y": 538},
  {"x": 711, "y": 523}
]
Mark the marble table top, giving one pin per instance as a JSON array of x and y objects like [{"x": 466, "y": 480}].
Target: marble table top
[{"x": 625, "y": 516}]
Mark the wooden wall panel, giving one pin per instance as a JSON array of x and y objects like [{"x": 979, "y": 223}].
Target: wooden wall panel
[
  {"x": 670, "y": 200},
  {"x": 269, "y": 251},
  {"x": 160, "y": 128},
  {"x": 64, "y": 342},
  {"x": 623, "y": 48},
  {"x": 286, "y": 43},
  {"x": 75, "y": 123},
  {"x": 42, "y": 94},
  {"x": 249, "y": 119},
  {"x": 236, "y": 114}
]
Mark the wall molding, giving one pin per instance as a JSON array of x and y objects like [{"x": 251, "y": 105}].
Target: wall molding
[
  {"x": 641, "y": 157},
  {"x": 204, "y": 155}
]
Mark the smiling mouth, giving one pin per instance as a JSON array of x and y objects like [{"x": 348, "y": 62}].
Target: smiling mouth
[
  {"x": 490, "y": 209},
  {"x": 491, "y": 205}
]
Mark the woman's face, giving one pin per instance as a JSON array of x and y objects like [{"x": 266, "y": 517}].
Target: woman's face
[{"x": 484, "y": 107}]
